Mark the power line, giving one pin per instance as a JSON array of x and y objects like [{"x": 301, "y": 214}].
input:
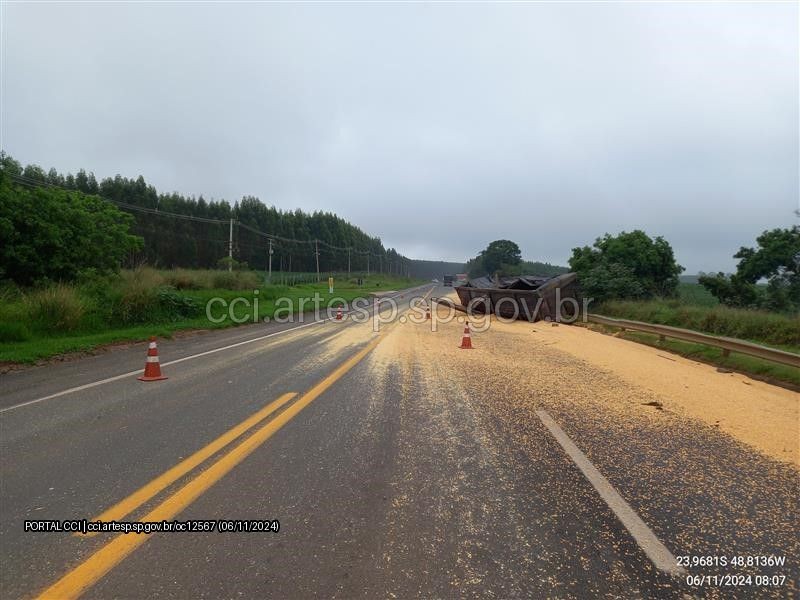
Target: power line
[
  {"x": 120, "y": 203},
  {"x": 154, "y": 211}
]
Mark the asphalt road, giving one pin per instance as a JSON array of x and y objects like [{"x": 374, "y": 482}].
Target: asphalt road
[{"x": 390, "y": 478}]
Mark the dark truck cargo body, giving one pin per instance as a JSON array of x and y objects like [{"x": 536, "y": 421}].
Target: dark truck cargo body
[
  {"x": 531, "y": 298},
  {"x": 447, "y": 280}
]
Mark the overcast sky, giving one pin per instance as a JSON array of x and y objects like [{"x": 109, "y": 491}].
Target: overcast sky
[{"x": 438, "y": 127}]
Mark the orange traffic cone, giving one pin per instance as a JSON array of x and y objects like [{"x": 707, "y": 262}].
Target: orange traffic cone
[
  {"x": 339, "y": 314},
  {"x": 466, "y": 341},
  {"x": 152, "y": 369}
]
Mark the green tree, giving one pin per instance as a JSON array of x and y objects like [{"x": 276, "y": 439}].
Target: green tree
[
  {"x": 495, "y": 258},
  {"x": 9, "y": 165},
  {"x": 527, "y": 267},
  {"x": 57, "y": 235},
  {"x": 776, "y": 259},
  {"x": 628, "y": 265}
]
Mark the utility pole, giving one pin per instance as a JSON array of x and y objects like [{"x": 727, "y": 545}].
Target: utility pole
[
  {"x": 348, "y": 262},
  {"x": 316, "y": 253},
  {"x": 230, "y": 247},
  {"x": 270, "y": 261}
]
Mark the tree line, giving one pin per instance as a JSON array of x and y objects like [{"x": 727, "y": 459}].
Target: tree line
[
  {"x": 504, "y": 258},
  {"x": 201, "y": 238},
  {"x": 435, "y": 269},
  {"x": 766, "y": 277},
  {"x": 634, "y": 266}
]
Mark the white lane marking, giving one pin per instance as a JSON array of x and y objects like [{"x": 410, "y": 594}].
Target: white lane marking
[
  {"x": 656, "y": 551},
  {"x": 165, "y": 364}
]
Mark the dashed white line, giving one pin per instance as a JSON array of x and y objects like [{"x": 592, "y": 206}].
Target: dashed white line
[{"x": 657, "y": 552}]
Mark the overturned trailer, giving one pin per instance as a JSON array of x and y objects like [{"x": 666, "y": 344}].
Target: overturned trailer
[{"x": 529, "y": 297}]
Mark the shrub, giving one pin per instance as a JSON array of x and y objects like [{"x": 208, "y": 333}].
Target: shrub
[
  {"x": 235, "y": 280},
  {"x": 227, "y": 262},
  {"x": 137, "y": 303},
  {"x": 198, "y": 279},
  {"x": 248, "y": 280},
  {"x": 100, "y": 295},
  {"x": 140, "y": 304},
  {"x": 56, "y": 308},
  {"x": 142, "y": 276},
  {"x": 174, "y": 306},
  {"x": 755, "y": 325},
  {"x": 14, "y": 332},
  {"x": 184, "y": 279},
  {"x": 224, "y": 280},
  {"x": 9, "y": 292},
  {"x": 143, "y": 296}
]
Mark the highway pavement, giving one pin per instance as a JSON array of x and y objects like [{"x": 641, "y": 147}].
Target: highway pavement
[{"x": 393, "y": 469}]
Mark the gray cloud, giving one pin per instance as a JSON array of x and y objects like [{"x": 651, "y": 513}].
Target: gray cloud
[{"x": 439, "y": 127}]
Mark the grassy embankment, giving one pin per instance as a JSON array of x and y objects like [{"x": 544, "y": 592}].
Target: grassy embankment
[
  {"x": 698, "y": 310},
  {"x": 42, "y": 323}
]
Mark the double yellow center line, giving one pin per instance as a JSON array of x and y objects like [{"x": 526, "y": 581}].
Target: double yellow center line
[{"x": 91, "y": 570}]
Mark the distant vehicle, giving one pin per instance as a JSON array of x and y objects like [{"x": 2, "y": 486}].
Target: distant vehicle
[
  {"x": 434, "y": 280},
  {"x": 447, "y": 280}
]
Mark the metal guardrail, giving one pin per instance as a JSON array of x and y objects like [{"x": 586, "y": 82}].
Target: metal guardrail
[{"x": 728, "y": 345}]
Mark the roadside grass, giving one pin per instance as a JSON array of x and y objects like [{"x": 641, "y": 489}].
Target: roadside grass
[
  {"x": 43, "y": 323},
  {"x": 750, "y": 365},
  {"x": 752, "y": 325},
  {"x": 696, "y": 309}
]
